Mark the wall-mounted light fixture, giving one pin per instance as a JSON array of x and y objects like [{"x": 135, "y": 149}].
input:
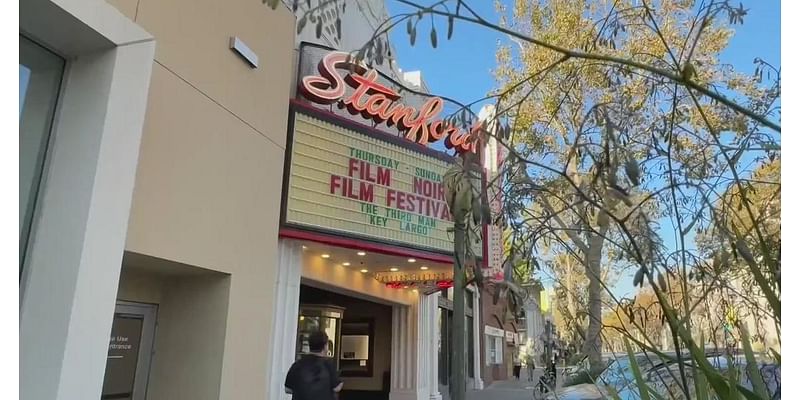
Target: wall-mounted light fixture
[{"x": 238, "y": 46}]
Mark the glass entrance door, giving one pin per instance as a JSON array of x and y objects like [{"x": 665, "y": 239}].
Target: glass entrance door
[{"x": 129, "y": 352}]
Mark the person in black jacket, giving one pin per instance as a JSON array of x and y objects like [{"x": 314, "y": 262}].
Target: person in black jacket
[{"x": 314, "y": 376}]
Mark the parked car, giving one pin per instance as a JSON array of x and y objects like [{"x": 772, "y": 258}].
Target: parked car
[
  {"x": 574, "y": 370},
  {"x": 582, "y": 366},
  {"x": 615, "y": 374},
  {"x": 664, "y": 379},
  {"x": 660, "y": 376}
]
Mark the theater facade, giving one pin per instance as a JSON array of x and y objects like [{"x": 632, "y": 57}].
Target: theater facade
[{"x": 365, "y": 251}]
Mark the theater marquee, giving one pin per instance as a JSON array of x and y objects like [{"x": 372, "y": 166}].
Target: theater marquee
[
  {"x": 343, "y": 181},
  {"x": 359, "y": 165}
]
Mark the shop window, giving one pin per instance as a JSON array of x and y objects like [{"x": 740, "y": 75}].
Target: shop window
[
  {"x": 40, "y": 73},
  {"x": 494, "y": 350},
  {"x": 499, "y": 345}
]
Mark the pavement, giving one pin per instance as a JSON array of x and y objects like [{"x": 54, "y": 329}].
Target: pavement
[{"x": 511, "y": 389}]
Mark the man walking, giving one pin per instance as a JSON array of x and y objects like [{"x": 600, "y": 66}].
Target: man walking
[
  {"x": 529, "y": 363},
  {"x": 314, "y": 376}
]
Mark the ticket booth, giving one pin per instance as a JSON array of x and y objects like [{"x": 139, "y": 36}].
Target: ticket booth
[{"x": 326, "y": 318}]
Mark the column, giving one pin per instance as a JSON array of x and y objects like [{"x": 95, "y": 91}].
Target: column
[
  {"x": 477, "y": 333},
  {"x": 69, "y": 285},
  {"x": 285, "y": 314},
  {"x": 404, "y": 348},
  {"x": 427, "y": 379},
  {"x": 423, "y": 345},
  {"x": 433, "y": 374}
]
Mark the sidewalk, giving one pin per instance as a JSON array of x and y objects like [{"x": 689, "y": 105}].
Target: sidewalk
[
  {"x": 511, "y": 389},
  {"x": 504, "y": 390}
]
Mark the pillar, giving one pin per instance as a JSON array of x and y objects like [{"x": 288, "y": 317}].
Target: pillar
[
  {"x": 285, "y": 314},
  {"x": 433, "y": 373},
  {"x": 68, "y": 286},
  {"x": 477, "y": 333},
  {"x": 427, "y": 355},
  {"x": 404, "y": 349}
]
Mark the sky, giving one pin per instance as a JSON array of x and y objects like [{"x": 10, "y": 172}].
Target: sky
[{"x": 461, "y": 68}]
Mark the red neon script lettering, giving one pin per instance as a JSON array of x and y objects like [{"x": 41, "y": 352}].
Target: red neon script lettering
[{"x": 380, "y": 103}]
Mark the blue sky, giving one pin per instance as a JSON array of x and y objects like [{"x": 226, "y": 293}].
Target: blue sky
[{"x": 461, "y": 68}]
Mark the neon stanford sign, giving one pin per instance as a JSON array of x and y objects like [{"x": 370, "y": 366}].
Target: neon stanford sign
[{"x": 380, "y": 103}]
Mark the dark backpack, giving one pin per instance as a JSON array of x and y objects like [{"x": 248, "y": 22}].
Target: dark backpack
[{"x": 314, "y": 381}]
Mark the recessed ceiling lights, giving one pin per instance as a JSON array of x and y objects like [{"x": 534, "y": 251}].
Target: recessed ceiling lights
[
  {"x": 412, "y": 260},
  {"x": 405, "y": 287},
  {"x": 305, "y": 247},
  {"x": 364, "y": 271},
  {"x": 326, "y": 256},
  {"x": 346, "y": 264},
  {"x": 361, "y": 253},
  {"x": 394, "y": 269},
  {"x": 424, "y": 268}
]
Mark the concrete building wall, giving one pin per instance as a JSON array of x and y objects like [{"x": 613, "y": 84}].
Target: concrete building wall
[
  {"x": 208, "y": 190},
  {"x": 69, "y": 279},
  {"x": 534, "y": 325}
]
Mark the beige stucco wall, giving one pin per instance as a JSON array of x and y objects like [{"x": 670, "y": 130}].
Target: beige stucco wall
[
  {"x": 140, "y": 287},
  {"x": 209, "y": 178},
  {"x": 190, "y": 339},
  {"x": 193, "y": 40},
  {"x": 191, "y": 314}
]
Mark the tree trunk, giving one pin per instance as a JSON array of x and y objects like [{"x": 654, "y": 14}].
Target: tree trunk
[
  {"x": 572, "y": 299},
  {"x": 458, "y": 385},
  {"x": 593, "y": 345}
]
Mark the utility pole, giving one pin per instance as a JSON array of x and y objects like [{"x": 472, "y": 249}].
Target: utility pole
[
  {"x": 458, "y": 385},
  {"x": 466, "y": 198}
]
